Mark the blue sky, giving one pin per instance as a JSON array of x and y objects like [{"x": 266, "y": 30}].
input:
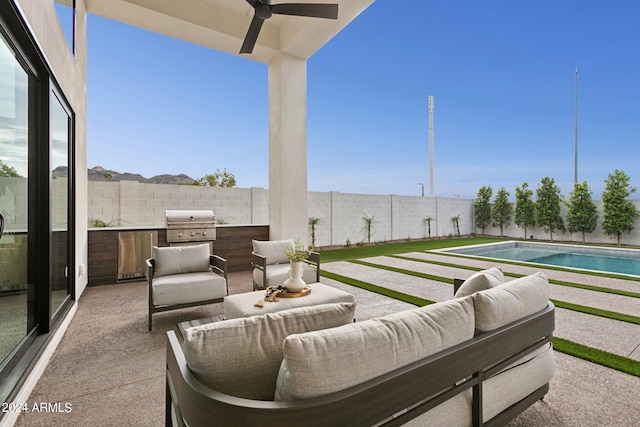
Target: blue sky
[{"x": 502, "y": 74}]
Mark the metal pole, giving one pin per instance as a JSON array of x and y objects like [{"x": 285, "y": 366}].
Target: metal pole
[
  {"x": 575, "y": 137},
  {"x": 430, "y": 146}
]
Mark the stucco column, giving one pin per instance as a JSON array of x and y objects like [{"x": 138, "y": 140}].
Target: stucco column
[{"x": 288, "y": 148}]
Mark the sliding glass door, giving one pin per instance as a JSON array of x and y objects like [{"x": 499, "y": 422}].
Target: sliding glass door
[
  {"x": 16, "y": 319},
  {"x": 59, "y": 155}
]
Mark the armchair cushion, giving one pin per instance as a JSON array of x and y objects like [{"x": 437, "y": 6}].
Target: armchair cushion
[
  {"x": 485, "y": 279},
  {"x": 241, "y": 357},
  {"x": 273, "y": 250},
  {"x": 181, "y": 259},
  {"x": 188, "y": 287}
]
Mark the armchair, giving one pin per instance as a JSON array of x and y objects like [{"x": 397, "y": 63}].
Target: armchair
[
  {"x": 271, "y": 265},
  {"x": 185, "y": 276}
]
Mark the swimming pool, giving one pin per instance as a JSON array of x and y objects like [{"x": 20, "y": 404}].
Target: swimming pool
[{"x": 614, "y": 260}]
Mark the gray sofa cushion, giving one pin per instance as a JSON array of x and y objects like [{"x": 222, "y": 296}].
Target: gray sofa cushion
[
  {"x": 453, "y": 412},
  {"x": 241, "y": 357},
  {"x": 480, "y": 281},
  {"x": 188, "y": 287},
  {"x": 323, "y": 362},
  {"x": 181, "y": 259},
  {"x": 510, "y": 301},
  {"x": 273, "y": 250}
]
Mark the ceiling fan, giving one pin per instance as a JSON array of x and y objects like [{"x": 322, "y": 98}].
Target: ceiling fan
[{"x": 263, "y": 9}]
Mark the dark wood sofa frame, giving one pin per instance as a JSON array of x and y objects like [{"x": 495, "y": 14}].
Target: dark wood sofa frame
[
  {"x": 260, "y": 262},
  {"x": 218, "y": 265},
  {"x": 391, "y": 399}
]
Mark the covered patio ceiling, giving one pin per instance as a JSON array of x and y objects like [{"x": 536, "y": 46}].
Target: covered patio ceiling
[
  {"x": 222, "y": 24},
  {"x": 284, "y": 44}
]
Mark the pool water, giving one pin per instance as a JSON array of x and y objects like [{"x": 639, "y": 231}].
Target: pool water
[{"x": 625, "y": 261}]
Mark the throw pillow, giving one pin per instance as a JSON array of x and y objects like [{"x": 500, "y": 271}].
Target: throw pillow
[
  {"x": 273, "y": 250},
  {"x": 241, "y": 357},
  {"x": 510, "y": 301},
  {"x": 181, "y": 259},
  {"x": 322, "y": 362},
  {"x": 480, "y": 281}
]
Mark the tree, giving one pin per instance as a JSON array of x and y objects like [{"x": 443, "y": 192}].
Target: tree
[
  {"x": 525, "y": 208},
  {"x": 313, "y": 223},
  {"x": 482, "y": 208},
  {"x": 583, "y": 213},
  {"x": 217, "y": 179},
  {"x": 427, "y": 220},
  {"x": 619, "y": 212},
  {"x": 8, "y": 171},
  {"x": 548, "y": 206},
  {"x": 456, "y": 224},
  {"x": 502, "y": 210},
  {"x": 368, "y": 225}
]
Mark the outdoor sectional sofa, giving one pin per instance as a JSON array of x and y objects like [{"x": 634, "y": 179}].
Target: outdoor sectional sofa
[{"x": 479, "y": 359}]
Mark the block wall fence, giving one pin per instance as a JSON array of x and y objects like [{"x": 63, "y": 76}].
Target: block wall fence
[{"x": 130, "y": 203}]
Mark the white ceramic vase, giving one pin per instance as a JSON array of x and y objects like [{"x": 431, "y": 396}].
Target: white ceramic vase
[{"x": 295, "y": 283}]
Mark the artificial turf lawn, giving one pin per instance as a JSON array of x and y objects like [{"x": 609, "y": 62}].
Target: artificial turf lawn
[{"x": 600, "y": 357}]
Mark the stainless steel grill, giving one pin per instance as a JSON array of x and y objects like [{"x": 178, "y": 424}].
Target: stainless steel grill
[{"x": 189, "y": 227}]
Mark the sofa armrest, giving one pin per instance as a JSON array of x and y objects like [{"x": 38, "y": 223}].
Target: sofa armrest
[
  {"x": 218, "y": 264},
  {"x": 457, "y": 282},
  {"x": 259, "y": 262},
  {"x": 151, "y": 263},
  {"x": 314, "y": 262}
]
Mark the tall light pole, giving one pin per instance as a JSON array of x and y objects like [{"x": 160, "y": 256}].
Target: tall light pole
[
  {"x": 575, "y": 137},
  {"x": 430, "y": 146}
]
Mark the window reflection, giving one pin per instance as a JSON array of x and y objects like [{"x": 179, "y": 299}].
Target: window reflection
[
  {"x": 14, "y": 315},
  {"x": 60, "y": 125}
]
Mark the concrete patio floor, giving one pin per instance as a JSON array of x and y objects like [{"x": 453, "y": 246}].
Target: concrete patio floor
[{"x": 110, "y": 369}]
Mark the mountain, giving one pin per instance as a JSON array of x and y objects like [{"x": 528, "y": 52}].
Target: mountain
[{"x": 99, "y": 173}]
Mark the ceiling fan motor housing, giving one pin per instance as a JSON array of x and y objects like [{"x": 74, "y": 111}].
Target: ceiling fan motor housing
[{"x": 263, "y": 9}]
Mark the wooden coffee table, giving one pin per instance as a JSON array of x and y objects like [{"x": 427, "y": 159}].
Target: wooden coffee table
[{"x": 243, "y": 305}]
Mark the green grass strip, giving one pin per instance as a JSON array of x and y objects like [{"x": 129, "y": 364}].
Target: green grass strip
[
  {"x": 404, "y": 271},
  {"x": 561, "y": 304},
  {"x": 553, "y": 281},
  {"x": 383, "y": 249},
  {"x": 597, "y": 312},
  {"x": 420, "y": 302},
  {"x": 600, "y": 357}
]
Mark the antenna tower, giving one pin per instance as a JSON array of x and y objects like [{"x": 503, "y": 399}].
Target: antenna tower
[{"x": 430, "y": 146}]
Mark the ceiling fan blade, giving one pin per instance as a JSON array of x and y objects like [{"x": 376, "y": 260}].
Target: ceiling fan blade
[
  {"x": 314, "y": 10},
  {"x": 253, "y": 3},
  {"x": 252, "y": 35}
]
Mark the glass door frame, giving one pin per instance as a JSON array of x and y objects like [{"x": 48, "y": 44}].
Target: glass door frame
[
  {"x": 56, "y": 95},
  {"x": 41, "y": 87}
]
